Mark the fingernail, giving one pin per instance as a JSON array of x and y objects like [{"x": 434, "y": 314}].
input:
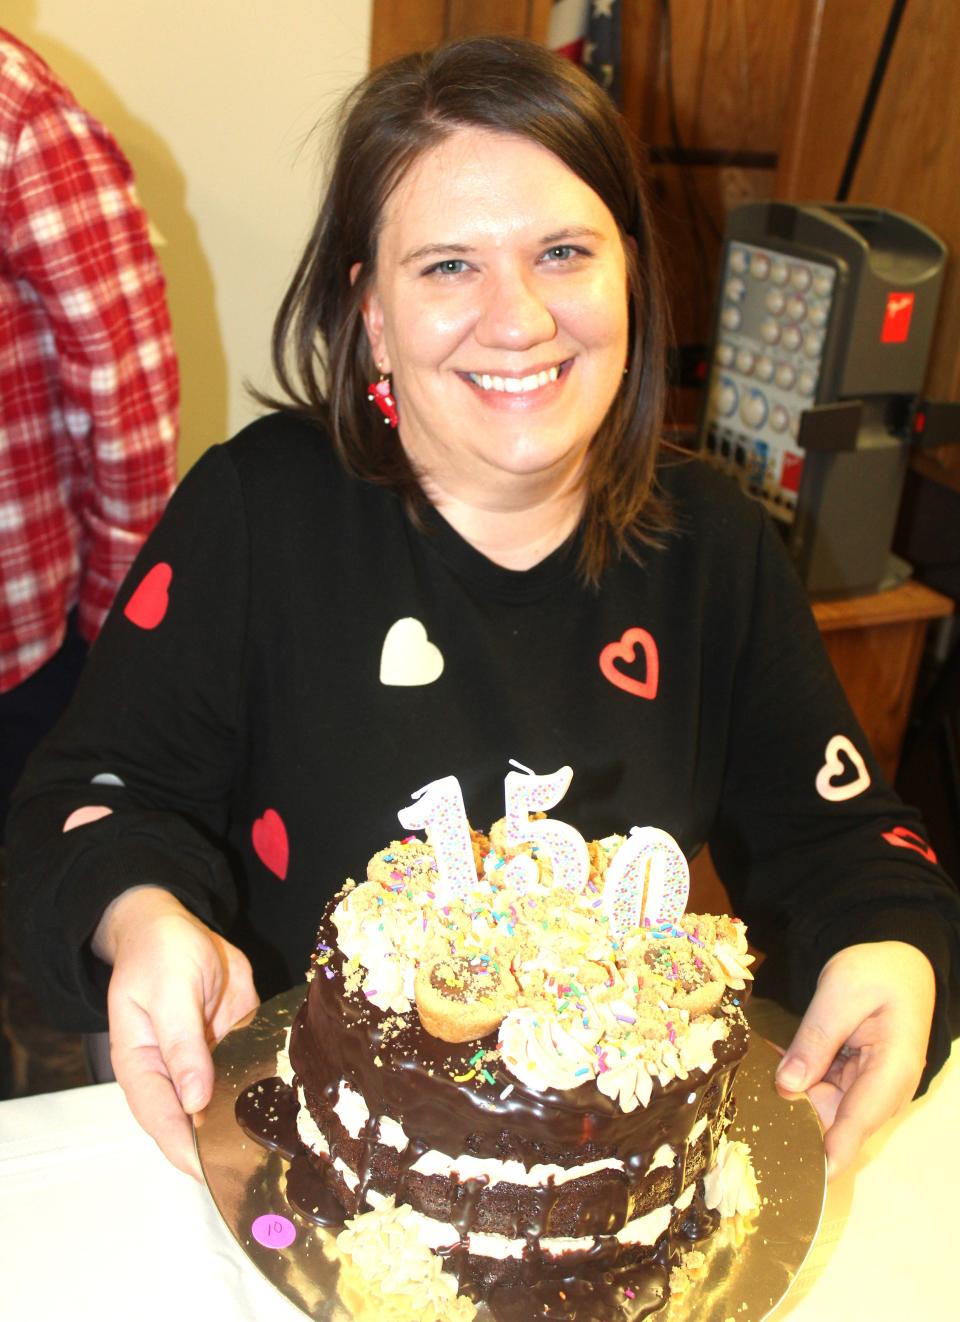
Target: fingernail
[
  {"x": 191, "y": 1092},
  {"x": 792, "y": 1074}
]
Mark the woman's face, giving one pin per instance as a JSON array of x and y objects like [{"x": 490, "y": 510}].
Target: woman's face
[{"x": 499, "y": 306}]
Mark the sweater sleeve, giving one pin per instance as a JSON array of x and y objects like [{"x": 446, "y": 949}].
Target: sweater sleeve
[
  {"x": 812, "y": 844},
  {"x": 148, "y": 747}
]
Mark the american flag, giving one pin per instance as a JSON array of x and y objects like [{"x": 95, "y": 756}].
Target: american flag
[{"x": 588, "y": 32}]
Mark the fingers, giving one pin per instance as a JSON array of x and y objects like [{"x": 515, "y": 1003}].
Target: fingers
[
  {"x": 145, "y": 1077},
  {"x": 860, "y": 1048},
  {"x": 176, "y": 988},
  {"x": 822, "y": 1032},
  {"x": 238, "y": 996}
]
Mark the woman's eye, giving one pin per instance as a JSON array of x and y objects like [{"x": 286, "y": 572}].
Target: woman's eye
[
  {"x": 563, "y": 252},
  {"x": 449, "y": 266}
]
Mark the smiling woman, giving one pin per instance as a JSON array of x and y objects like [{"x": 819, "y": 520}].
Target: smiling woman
[
  {"x": 486, "y": 224},
  {"x": 499, "y": 304}
]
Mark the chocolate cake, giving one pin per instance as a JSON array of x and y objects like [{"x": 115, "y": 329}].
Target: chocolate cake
[{"x": 545, "y": 1093}]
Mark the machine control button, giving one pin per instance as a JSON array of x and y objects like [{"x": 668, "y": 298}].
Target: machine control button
[
  {"x": 764, "y": 368},
  {"x": 770, "y": 330},
  {"x": 735, "y": 289},
  {"x": 725, "y": 398},
  {"x": 800, "y": 278},
  {"x": 779, "y": 272},
  {"x": 739, "y": 262},
  {"x": 818, "y": 315},
  {"x": 725, "y": 354},
  {"x": 812, "y": 344},
  {"x": 775, "y": 301},
  {"x": 760, "y": 265},
  {"x": 779, "y": 418},
  {"x": 822, "y": 283},
  {"x": 791, "y": 339},
  {"x": 796, "y": 308},
  {"x": 753, "y": 408},
  {"x": 806, "y": 382},
  {"x": 745, "y": 361},
  {"x": 731, "y": 317},
  {"x": 785, "y": 376}
]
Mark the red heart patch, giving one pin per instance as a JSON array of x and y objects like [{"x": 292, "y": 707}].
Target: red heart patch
[
  {"x": 270, "y": 843},
  {"x": 626, "y": 650},
  {"x": 907, "y": 839},
  {"x": 148, "y": 605}
]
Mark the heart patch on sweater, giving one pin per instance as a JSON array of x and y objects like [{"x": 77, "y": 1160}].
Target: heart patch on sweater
[
  {"x": 616, "y": 656},
  {"x": 148, "y": 605},
  {"x": 903, "y": 837},
  {"x": 833, "y": 778},
  {"x": 270, "y": 843},
  {"x": 408, "y": 658},
  {"x": 84, "y": 816}
]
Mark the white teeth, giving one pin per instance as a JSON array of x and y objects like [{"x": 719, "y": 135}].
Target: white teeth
[{"x": 514, "y": 385}]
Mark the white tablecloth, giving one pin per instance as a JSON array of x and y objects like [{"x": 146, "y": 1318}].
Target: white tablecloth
[{"x": 94, "y": 1224}]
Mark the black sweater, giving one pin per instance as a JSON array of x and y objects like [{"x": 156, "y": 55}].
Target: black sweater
[{"x": 290, "y": 659}]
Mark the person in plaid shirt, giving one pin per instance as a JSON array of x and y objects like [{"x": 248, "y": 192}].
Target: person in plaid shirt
[{"x": 89, "y": 392}]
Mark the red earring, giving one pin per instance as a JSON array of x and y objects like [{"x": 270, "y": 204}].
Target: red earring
[{"x": 381, "y": 394}]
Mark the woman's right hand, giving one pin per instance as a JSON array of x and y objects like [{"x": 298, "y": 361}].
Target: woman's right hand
[{"x": 176, "y": 988}]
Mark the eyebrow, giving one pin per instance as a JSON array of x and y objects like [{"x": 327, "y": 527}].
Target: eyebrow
[{"x": 463, "y": 249}]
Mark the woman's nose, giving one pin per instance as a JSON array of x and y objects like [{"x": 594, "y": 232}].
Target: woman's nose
[{"x": 514, "y": 314}]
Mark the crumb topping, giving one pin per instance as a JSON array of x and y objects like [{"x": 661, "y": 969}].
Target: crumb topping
[{"x": 573, "y": 1003}]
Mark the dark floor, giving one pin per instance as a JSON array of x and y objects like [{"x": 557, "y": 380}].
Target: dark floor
[{"x": 41, "y": 1059}]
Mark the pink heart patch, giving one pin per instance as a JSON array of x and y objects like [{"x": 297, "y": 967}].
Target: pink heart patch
[
  {"x": 148, "y": 605},
  {"x": 625, "y": 650},
  {"x": 270, "y": 843},
  {"x": 907, "y": 839},
  {"x": 84, "y": 816}
]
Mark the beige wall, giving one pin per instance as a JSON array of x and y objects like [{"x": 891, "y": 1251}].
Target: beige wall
[{"x": 213, "y": 102}]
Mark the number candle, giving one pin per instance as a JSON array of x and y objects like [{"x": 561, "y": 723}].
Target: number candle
[
  {"x": 525, "y": 793},
  {"x": 439, "y": 810},
  {"x": 648, "y": 878}
]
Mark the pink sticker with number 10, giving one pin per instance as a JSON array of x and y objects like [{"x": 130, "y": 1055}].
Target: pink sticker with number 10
[
  {"x": 648, "y": 878},
  {"x": 524, "y": 793}
]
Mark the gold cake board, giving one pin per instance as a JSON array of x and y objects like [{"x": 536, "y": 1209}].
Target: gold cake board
[{"x": 748, "y": 1269}]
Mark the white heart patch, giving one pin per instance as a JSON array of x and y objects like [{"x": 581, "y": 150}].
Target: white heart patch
[
  {"x": 408, "y": 657},
  {"x": 833, "y": 768}
]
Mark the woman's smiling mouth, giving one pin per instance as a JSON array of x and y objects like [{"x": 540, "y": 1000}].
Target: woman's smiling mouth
[{"x": 515, "y": 385}]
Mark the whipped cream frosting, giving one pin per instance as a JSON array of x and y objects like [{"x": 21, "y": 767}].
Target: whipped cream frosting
[{"x": 575, "y": 1005}]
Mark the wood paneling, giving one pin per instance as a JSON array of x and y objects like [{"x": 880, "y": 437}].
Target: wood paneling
[
  {"x": 834, "y": 52},
  {"x": 402, "y": 26},
  {"x": 710, "y": 87},
  {"x": 475, "y": 18},
  {"x": 746, "y": 64},
  {"x": 399, "y": 27}
]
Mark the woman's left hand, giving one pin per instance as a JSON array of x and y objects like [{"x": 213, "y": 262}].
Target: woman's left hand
[{"x": 861, "y": 1046}]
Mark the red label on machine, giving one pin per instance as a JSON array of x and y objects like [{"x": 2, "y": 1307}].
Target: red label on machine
[
  {"x": 791, "y": 471},
  {"x": 896, "y": 318}
]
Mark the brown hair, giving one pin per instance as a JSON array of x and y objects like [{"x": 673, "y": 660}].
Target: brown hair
[{"x": 510, "y": 86}]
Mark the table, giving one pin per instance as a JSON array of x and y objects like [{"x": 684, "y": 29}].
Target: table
[{"x": 95, "y": 1226}]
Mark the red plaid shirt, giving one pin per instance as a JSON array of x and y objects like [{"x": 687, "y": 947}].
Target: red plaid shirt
[{"x": 89, "y": 389}]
